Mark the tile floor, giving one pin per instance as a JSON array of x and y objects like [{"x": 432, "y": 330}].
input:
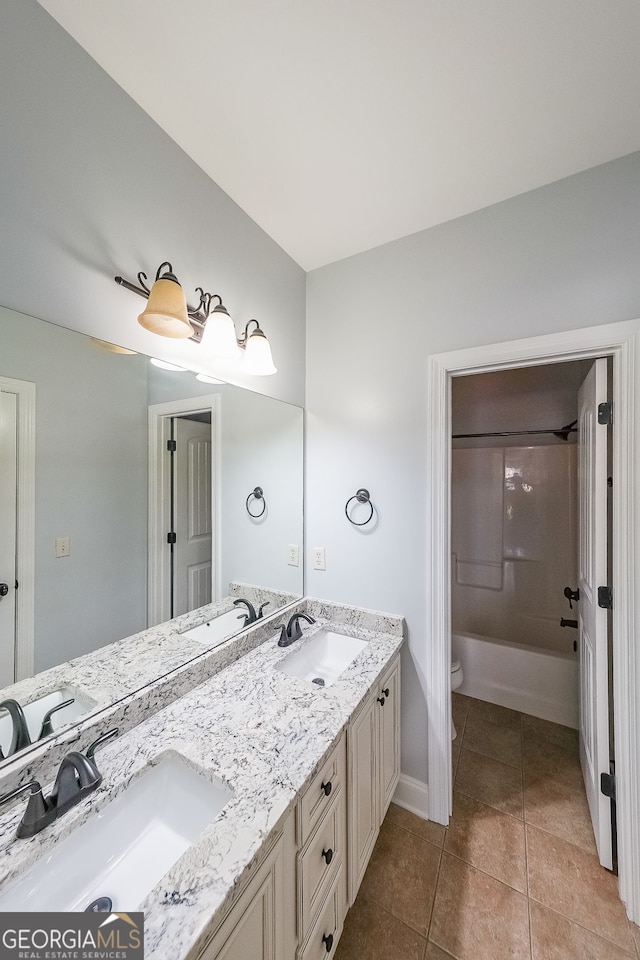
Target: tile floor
[{"x": 514, "y": 876}]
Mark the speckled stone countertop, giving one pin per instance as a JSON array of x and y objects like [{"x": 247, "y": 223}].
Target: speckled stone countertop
[
  {"x": 120, "y": 668},
  {"x": 261, "y": 732}
]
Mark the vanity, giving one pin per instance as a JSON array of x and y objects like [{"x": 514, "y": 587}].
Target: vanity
[
  {"x": 240, "y": 803},
  {"x": 303, "y": 774}
]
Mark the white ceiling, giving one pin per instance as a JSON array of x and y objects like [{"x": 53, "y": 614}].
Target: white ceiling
[{"x": 339, "y": 125}]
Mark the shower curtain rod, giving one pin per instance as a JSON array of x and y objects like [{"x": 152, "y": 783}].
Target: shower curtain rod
[{"x": 561, "y": 434}]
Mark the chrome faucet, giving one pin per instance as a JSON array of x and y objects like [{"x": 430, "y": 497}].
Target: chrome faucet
[
  {"x": 77, "y": 777},
  {"x": 20, "y": 737},
  {"x": 251, "y": 616},
  {"x": 293, "y": 630}
]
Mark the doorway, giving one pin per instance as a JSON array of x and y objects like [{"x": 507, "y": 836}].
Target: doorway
[
  {"x": 620, "y": 341},
  {"x": 184, "y": 506},
  {"x": 17, "y": 520},
  {"x": 191, "y": 533},
  {"x": 529, "y": 542}
]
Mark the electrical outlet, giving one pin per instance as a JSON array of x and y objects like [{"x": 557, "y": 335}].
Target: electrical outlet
[
  {"x": 294, "y": 555},
  {"x": 63, "y": 546},
  {"x": 318, "y": 559}
]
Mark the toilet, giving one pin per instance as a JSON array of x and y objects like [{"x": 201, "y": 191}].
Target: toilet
[{"x": 456, "y": 680}]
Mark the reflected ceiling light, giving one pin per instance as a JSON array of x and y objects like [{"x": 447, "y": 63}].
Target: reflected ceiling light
[
  {"x": 169, "y": 315},
  {"x": 112, "y": 347},
  {"x": 165, "y": 365},
  {"x": 205, "y": 378}
]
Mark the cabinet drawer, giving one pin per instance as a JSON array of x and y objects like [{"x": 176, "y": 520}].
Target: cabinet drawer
[
  {"x": 322, "y": 942},
  {"x": 320, "y": 861},
  {"x": 319, "y": 794}
]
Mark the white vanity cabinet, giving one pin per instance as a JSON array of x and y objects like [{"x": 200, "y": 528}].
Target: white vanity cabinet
[
  {"x": 373, "y": 770},
  {"x": 294, "y": 905},
  {"x": 321, "y": 859},
  {"x": 261, "y": 923}
]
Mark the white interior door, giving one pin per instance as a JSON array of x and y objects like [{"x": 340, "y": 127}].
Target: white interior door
[
  {"x": 192, "y": 567},
  {"x": 594, "y": 685},
  {"x": 8, "y": 503}
]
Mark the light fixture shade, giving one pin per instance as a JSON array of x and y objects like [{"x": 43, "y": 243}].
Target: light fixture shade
[
  {"x": 166, "y": 310},
  {"x": 221, "y": 334},
  {"x": 257, "y": 355}
]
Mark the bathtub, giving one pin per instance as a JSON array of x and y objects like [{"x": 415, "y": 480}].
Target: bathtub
[{"x": 539, "y": 682}]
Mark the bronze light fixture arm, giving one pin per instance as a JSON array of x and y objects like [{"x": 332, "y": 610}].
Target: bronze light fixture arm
[{"x": 198, "y": 315}]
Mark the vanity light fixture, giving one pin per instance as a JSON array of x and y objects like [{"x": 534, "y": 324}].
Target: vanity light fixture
[{"x": 169, "y": 315}]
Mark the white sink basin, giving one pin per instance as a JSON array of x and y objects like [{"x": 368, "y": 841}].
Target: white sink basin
[
  {"x": 213, "y": 632},
  {"x": 123, "y": 851},
  {"x": 324, "y": 657},
  {"x": 35, "y": 711}
]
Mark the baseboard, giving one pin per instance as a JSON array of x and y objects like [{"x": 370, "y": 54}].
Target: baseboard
[
  {"x": 533, "y": 702},
  {"x": 412, "y": 795}
]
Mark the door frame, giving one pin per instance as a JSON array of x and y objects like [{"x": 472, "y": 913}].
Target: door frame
[
  {"x": 159, "y": 566},
  {"x": 25, "y": 524},
  {"x": 622, "y": 343}
]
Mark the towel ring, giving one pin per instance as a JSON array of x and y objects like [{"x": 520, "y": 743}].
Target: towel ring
[
  {"x": 257, "y": 494},
  {"x": 362, "y": 496}
]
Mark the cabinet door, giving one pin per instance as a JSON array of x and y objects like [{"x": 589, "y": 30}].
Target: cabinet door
[
  {"x": 389, "y": 715},
  {"x": 253, "y": 930},
  {"x": 363, "y": 792}
]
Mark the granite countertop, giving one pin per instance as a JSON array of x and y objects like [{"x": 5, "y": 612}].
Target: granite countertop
[
  {"x": 251, "y": 726},
  {"x": 118, "y": 669}
]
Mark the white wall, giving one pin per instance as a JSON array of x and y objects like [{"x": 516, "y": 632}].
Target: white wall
[
  {"x": 91, "y": 188},
  {"x": 562, "y": 257}
]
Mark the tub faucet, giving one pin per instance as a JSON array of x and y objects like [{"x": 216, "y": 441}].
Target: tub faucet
[
  {"x": 293, "y": 630},
  {"x": 77, "y": 776},
  {"x": 20, "y": 737}
]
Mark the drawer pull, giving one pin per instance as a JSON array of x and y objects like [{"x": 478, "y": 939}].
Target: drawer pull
[
  {"x": 381, "y": 701},
  {"x": 328, "y": 942},
  {"x": 328, "y": 855},
  {"x": 386, "y": 692},
  {"x": 326, "y": 787}
]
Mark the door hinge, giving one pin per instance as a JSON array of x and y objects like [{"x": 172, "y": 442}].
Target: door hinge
[
  {"x": 605, "y": 598},
  {"x": 171, "y": 446},
  {"x": 605, "y": 413},
  {"x": 171, "y": 538},
  {"x": 608, "y": 785}
]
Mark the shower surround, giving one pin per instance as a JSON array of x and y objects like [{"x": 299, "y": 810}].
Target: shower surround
[{"x": 514, "y": 550}]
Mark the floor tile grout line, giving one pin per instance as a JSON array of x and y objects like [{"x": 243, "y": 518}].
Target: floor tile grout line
[
  {"x": 435, "y": 894},
  {"x": 438, "y": 846},
  {"x": 474, "y": 866},
  {"x": 576, "y": 923},
  {"x": 405, "y": 923},
  {"x": 490, "y": 805},
  {"x": 530, "y": 928},
  {"x": 489, "y": 756}
]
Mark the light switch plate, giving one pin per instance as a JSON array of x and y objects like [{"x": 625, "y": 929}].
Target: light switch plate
[{"x": 63, "y": 546}]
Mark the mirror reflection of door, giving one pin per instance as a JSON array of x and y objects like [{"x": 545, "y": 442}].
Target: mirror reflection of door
[
  {"x": 8, "y": 545},
  {"x": 191, "y": 513}
]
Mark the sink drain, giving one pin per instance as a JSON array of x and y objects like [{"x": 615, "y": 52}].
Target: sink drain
[
  {"x": 319, "y": 681},
  {"x": 101, "y": 905}
]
